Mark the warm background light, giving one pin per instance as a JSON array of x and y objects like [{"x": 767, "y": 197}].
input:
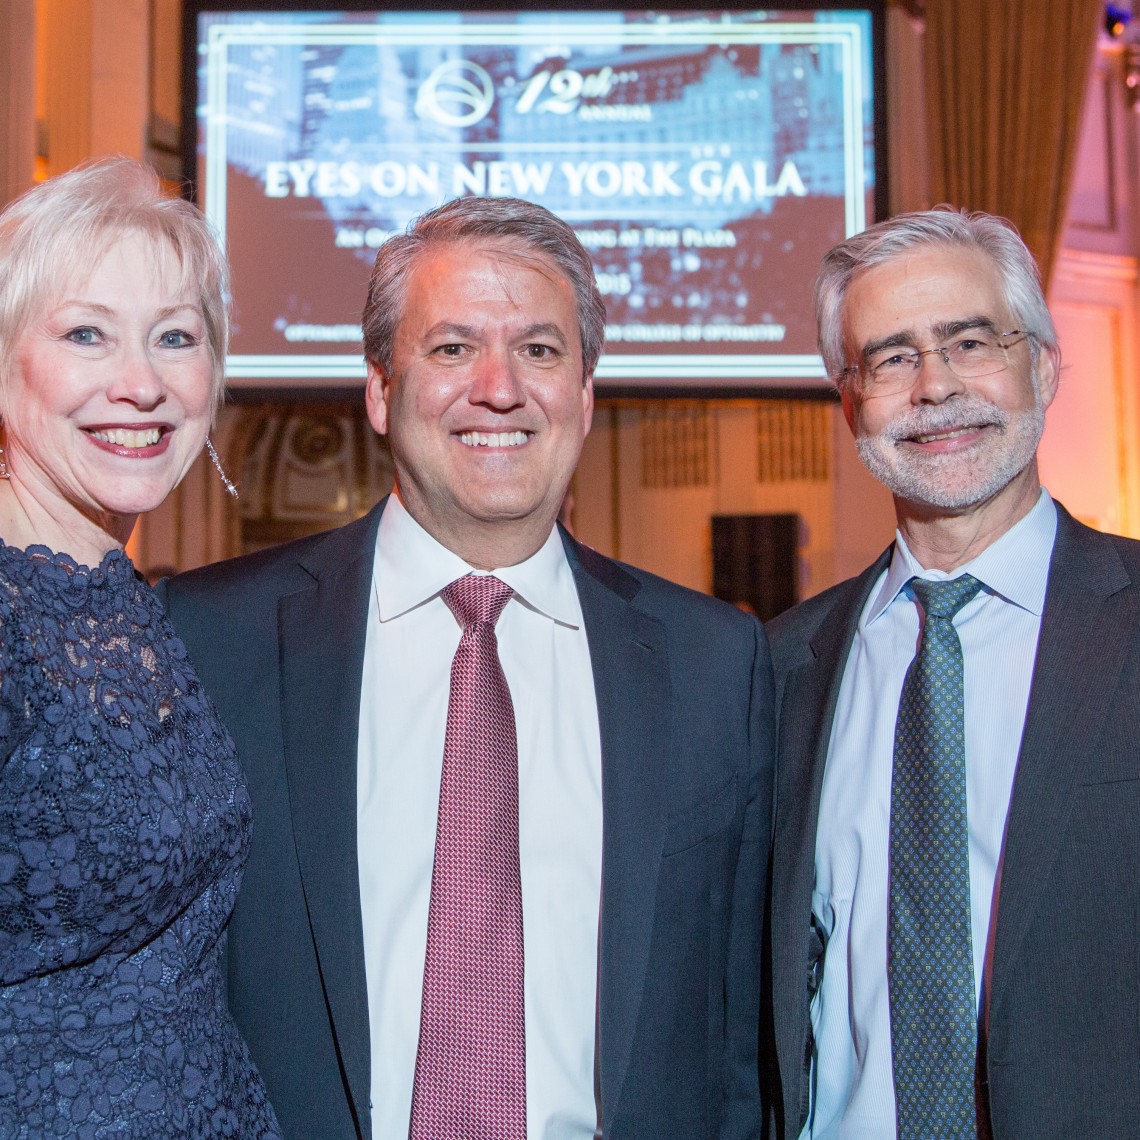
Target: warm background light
[{"x": 80, "y": 77}]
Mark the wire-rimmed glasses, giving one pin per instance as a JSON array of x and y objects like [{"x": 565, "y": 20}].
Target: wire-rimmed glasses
[{"x": 970, "y": 355}]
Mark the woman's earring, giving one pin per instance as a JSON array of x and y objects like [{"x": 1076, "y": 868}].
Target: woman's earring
[
  {"x": 4, "y": 472},
  {"x": 213, "y": 453}
]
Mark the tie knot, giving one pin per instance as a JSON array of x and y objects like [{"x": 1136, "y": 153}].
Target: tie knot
[
  {"x": 477, "y": 598},
  {"x": 945, "y": 599}
]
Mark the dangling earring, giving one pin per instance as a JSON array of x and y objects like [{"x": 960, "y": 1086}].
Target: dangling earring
[
  {"x": 213, "y": 453},
  {"x": 4, "y": 472}
]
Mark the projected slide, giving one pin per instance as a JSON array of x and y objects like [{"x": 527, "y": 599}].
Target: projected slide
[{"x": 706, "y": 160}]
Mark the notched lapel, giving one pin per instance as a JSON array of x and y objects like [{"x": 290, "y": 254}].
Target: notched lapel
[
  {"x": 322, "y": 634},
  {"x": 807, "y": 699},
  {"x": 629, "y": 658},
  {"x": 806, "y": 709},
  {"x": 1087, "y": 630}
]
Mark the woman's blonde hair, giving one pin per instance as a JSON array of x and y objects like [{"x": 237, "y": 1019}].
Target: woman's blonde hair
[{"x": 60, "y": 229}]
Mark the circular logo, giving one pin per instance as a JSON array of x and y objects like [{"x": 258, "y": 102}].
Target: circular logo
[{"x": 457, "y": 94}]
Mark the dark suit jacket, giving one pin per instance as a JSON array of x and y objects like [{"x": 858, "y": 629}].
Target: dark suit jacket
[
  {"x": 684, "y": 696},
  {"x": 1064, "y": 1005}
]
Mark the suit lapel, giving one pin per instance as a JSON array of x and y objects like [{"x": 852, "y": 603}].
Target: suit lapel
[
  {"x": 806, "y": 708},
  {"x": 322, "y": 633},
  {"x": 1086, "y": 630},
  {"x": 629, "y": 658}
]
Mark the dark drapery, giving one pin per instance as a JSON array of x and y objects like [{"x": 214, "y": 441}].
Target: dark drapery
[{"x": 1005, "y": 84}]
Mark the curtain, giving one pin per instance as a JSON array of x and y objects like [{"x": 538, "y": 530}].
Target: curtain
[{"x": 1005, "y": 84}]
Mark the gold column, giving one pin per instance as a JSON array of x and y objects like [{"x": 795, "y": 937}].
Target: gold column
[
  {"x": 17, "y": 97},
  {"x": 93, "y": 79}
]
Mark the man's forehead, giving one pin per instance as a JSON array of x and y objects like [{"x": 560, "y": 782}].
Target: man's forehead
[
  {"x": 512, "y": 251},
  {"x": 930, "y": 290},
  {"x": 463, "y": 284},
  {"x": 972, "y": 268},
  {"x": 469, "y": 290}
]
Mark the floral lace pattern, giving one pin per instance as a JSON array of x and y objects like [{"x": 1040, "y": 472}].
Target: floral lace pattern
[{"x": 124, "y": 826}]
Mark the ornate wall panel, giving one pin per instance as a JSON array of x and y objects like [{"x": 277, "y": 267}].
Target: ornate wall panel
[
  {"x": 793, "y": 441},
  {"x": 1091, "y": 451},
  {"x": 676, "y": 448},
  {"x": 1099, "y": 218},
  {"x": 307, "y": 468}
]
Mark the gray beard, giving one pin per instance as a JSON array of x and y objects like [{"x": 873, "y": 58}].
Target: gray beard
[{"x": 954, "y": 482}]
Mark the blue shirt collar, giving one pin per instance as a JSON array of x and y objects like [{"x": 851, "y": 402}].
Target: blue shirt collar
[{"x": 1014, "y": 567}]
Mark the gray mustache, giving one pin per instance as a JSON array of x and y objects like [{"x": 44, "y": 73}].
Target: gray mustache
[{"x": 944, "y": 417}]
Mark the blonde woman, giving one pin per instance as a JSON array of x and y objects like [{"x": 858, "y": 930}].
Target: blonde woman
[{"x": 124, "y": 818}]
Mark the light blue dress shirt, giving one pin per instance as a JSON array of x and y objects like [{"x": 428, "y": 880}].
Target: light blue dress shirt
[{"x": 853, "y": 1089}]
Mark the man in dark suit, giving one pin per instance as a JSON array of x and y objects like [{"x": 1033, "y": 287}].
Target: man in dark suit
[
  {"x": 953, "y": 945},
  {"x": 375, "y": 994}
]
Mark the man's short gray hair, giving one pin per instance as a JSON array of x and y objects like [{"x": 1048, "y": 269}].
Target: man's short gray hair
[
  {"x": 532, "y": 230},
  {"x": 997, "y": 238}
]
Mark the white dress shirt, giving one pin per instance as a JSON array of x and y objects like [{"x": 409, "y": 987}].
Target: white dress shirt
[
  {"x": 412, "y": 638},
  {"x": 853, "y": 1088}
]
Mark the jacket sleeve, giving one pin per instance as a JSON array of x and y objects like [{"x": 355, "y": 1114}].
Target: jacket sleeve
[{"x": 742, "y": 1109}]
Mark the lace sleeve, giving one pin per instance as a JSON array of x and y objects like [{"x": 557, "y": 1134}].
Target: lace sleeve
[{"x": 14, "y": 721}]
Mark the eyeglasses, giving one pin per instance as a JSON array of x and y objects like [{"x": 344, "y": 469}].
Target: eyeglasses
[{"x": 976, "y": 353}]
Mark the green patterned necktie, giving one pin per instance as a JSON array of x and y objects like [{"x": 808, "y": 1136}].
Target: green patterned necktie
[{"x": 930, "y": 956}]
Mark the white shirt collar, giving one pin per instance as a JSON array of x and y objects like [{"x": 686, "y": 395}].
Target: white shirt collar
[
  {"x": 1014, "y": 566},
  {"x": 412, "y": 568}
]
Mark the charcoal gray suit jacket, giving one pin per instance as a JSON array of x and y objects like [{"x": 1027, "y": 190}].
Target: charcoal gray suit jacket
[
  {"x": 1063, "y": 1050},
  {"x": 684, "y": 693}
]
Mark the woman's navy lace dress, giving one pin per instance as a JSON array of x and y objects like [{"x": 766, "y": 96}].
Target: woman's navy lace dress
[{"x": 124, "y": 827}]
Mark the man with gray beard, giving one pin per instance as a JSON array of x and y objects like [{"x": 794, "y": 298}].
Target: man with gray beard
[{"x": 956, "y": 867}]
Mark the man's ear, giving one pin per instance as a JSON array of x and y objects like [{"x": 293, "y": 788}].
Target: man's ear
[
  {"x": 1048, "y": 374},
  {"x": 849, "y": 409},
  {"x": 376, "y": 394},
  {"x": 588, "y": 403}
]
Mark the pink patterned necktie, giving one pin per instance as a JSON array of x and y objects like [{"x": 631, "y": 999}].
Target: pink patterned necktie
[{"x": 470, "y": 1079}]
